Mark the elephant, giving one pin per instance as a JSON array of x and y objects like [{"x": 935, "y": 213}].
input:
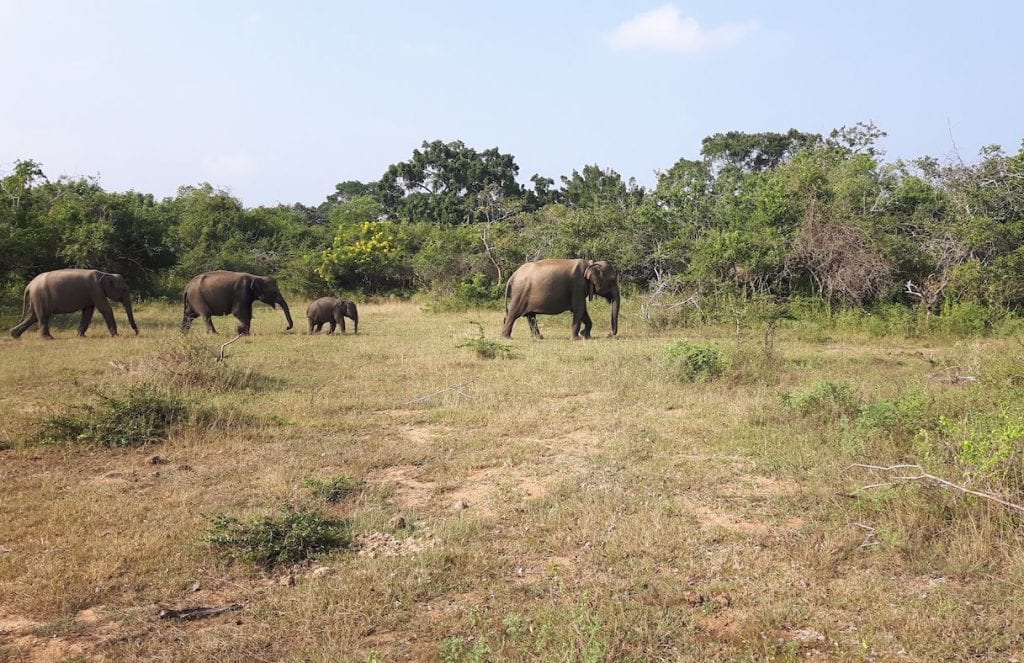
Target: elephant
[
  {"x": 70, "y": 290},
  {"x": 556, "y": 286},
  {"x": 334, "y": 311},
  {"x": 221, "y": 293}
]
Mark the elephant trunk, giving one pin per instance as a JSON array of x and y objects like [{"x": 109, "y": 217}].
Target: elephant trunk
[
  {"x": 616, "y": 300},
  {"x": 287, "y": 312},
  {"x": 127, "y": 302}
]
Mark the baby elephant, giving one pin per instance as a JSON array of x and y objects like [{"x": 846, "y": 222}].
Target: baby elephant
[{"x": 334, "y": 311}]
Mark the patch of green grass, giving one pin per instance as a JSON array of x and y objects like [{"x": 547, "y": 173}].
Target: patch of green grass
[
  {"x": 823, "y": 400},
  {"x": 141, "y": 415},
  {"x": 334, "y": 489},
  {"x": 294, "y": 536}
]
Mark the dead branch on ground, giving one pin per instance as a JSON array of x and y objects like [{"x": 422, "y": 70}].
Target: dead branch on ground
[{"x": 924, "y": 477}]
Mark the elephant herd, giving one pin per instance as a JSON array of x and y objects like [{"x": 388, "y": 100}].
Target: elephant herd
[{"x": 541, "y": 287}]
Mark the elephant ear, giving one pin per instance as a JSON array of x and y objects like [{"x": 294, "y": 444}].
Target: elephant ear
[
  {"x": 256, "y": 288},
  {"x": 593, "y": 279}
]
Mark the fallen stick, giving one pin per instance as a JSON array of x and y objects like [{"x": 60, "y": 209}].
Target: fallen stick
[
  {"x": 221, "y": 357},
  {"x": 454, "y": 388},
  {"x": 924, "y": 476},
  {"x": 197, "y": 613}
]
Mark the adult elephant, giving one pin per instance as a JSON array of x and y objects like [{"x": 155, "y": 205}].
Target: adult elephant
[
  {"x": 70, "y": 290},
  {"x": 334, "y": 311},
  {"x": 221, "y": 293},
  {"x": 556, "y": 286}
]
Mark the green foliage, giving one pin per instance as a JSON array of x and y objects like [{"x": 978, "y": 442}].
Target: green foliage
[
  {"x": 486, "y": 348},
  {"x": 367, "y": 256},
  {"x": 695, "y": 361},
  {"x": 334, "y": 489},
  {"x": 296, "y": 535},
  {"x": 823, "y": 400},
  {"x": 898, "y": 418},
  {"x": 142, "y": 415}
]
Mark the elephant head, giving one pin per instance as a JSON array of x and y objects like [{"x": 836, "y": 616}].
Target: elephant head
[
  {"x": 115, "y": 287},
  {"x": 603, "y": 281},
  {"x": 264, "y": 288}
]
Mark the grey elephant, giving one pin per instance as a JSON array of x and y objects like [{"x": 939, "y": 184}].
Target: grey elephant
[
  {"x": 333, "y": 311},
  {"x": 221, "y": 293},
  {"x": 70, "y": 290},
  {"x": 556, "y": 286}
]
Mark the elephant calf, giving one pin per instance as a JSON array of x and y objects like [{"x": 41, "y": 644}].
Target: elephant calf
[
  {"x": 333, "y": 311},
  {"x": 70, "y": 290}
]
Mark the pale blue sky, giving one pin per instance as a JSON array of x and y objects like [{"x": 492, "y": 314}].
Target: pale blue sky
[{"x": 278, "y": 101}]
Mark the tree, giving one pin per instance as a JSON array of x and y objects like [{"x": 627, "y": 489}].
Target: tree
[
  {"x": 441, "y": 182},
  {"x": 754, "y": 152}
]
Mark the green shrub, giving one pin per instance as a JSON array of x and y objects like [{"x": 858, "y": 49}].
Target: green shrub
[
  {"x": 900, "y": 417},
  {"x": 967, "y": 319},
  {"x": 335, "y": 489},
  {"x": 142, "y": 415},
  {"x": 823, "y": 400},
  {"x": 190, "y": 364},
  {"x": 486, "y": 348},
  {"x": 695, "y": 361},
  {"x": 294, "y": 536}
]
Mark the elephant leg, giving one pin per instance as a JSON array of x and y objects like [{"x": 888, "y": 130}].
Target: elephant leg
[
  {"x": 208, "y": 319},
  {"x": 22, "y": 326},
  {"x": 186, "y": 321},
  {"x": 577, "y": 320},
  {"x": 334, "y": 325},
  {"x": 506, "y": 329},
  {"x": 587, "y": 325},
  {"x": 86, "y": 319},
  {"x": 341, "y": 321},
  {"x": 318, "y": 327},
  {"x": 312, "y": 326},
  {"x": 244, "y": 315},
  {"x": 534, "y": 329},
  {"x": 44, "y": 326},
  {"x": 108, "y": 316}
]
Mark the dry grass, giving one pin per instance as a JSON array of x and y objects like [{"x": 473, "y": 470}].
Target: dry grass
[{"x": 576, "y": 502}]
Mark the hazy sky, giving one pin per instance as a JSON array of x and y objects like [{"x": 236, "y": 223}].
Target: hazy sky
[{"x": 278, "y": 101}]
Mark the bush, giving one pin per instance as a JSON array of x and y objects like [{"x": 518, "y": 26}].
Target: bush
[
  {"x": 141, "y": 416},
  {"x": 190, "y": 364},
  {"x": 486, "y": 348},
  {"x": 695, "y": 361},
  {"x": 335, "y": 489},
  {"x": 823, "y": 400},
  {"x": 899, "y": 418},
  {"x": 294, "y": 536}
]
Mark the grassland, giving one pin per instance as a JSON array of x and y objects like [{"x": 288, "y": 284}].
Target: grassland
[{"x": 575, "y": 502}]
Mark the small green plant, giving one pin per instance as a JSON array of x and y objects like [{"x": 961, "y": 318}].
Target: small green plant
[
  {"x": 899, "y": 418},
  {"x": 142, "y": 415},
  {"x": 456, "y": 649},
  {"x": 334, "y": 489},
  {"x": 823, "y": 400},
  {"x": 484, "y": 347},
  {"x": 294, "y": 536},
  {"x": 695, "y": 361}
]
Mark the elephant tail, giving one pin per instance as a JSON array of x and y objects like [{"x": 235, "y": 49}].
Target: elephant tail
[
  {"x": 508, "y": 292},
  {"x": 25, "y": 306}
]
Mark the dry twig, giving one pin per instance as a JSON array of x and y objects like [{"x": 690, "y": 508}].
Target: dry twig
[
  {"x": 921, "y": 475},
  {"x": 196, "y": 613},
  {"x": 454, "y": 388},
  {"x": 220, "y": 358}
]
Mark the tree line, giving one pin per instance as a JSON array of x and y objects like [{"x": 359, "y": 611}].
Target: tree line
[{"x": 781, "y": 215}]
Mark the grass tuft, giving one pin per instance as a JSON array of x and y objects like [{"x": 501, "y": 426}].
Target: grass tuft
[
  {"x": 484, "y": 347},
  {"x": 296, "y": 535},
  {"x": 142, "y": 415},
  {"x": 694, "y": 362},
  {"x": 335, "y": 489}
]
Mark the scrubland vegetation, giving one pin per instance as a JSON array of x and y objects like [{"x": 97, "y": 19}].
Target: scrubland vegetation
[
  {"x": 679, "y": 492},
  {"x": 807, "y": 440}
]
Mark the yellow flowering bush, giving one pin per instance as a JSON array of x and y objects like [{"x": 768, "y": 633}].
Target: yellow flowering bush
[{"x": 367, "y": 255}]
